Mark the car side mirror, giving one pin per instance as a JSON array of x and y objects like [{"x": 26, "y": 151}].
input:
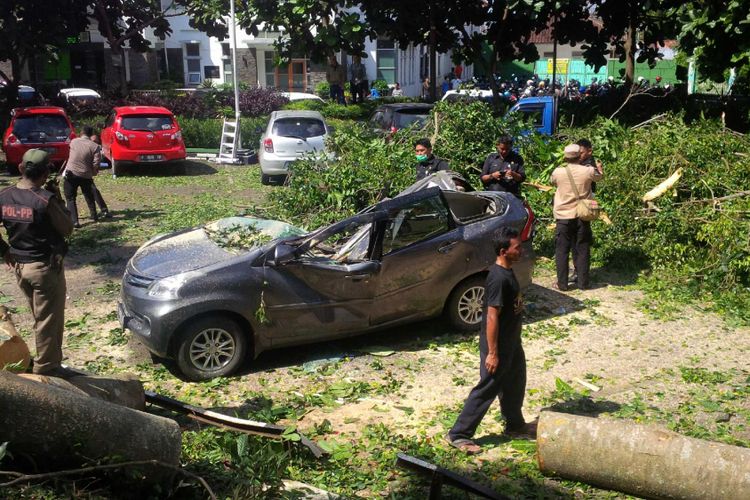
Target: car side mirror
[{"x": 283, "y": 254}]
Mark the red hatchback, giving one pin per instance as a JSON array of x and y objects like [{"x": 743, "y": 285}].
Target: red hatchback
[
  {"x": 42, "y": 127},
  {"x": 142, "y": 134}
]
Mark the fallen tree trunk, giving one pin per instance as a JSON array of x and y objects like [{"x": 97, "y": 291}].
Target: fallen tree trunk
[
  {"x": 640, "y": 460},
  {"x": 13, "y": 349},
  {"x": 58, "y": 428},
  {"x": 125, "y": 390}
]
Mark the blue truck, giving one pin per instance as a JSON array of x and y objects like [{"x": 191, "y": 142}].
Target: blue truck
[{"x": 540, "y": 111}]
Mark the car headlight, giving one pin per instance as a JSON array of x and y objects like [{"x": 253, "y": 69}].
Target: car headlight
[{"x": 169, "y": 288}]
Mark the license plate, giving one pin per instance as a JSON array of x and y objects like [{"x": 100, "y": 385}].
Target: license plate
[{"x": 152, "y": 158}]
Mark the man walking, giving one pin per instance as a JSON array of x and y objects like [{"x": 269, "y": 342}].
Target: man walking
[
  {"x": 502, "y": 362},
  {"x": 427, "y": 163},
  {"x": 503, "y": 171},
  {"x": 83, "y": 165},
  {"x": 37, "y": 224},
  {"x": 573, "y": 183}
]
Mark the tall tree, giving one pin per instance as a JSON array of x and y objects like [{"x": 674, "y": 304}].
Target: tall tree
[
  {"x": 123, "y": 22},
  {"x": 316, "y": 28},
  {"x": 33, "y": 28},
  {"x": 635, "y": 29},
  {"x": 716, "y": 35},
  {"x": 485, "y": 32}
]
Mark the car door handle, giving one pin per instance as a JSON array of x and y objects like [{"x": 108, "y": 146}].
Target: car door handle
[
  {"x": 447, "y": 247},
  {"x": 357, "y": 277}
]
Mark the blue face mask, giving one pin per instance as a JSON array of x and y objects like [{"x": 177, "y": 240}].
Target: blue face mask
[{"x": 421, "y": 158}]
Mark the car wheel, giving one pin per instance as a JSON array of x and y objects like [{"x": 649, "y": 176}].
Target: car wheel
[
  {"x": 211, "y": 347},
  {"x": 465, "y": 304},
  {"x": 265, "y": 179}
]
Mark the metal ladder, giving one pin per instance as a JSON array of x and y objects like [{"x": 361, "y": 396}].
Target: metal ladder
[{"x": 230, "y": 141}]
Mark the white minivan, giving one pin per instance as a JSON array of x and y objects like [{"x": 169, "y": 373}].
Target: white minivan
[{"x": 290, "y": 135}]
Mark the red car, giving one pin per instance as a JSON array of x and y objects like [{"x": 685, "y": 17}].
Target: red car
[
  {"x": 142, "y": 134},
  {"x": 42, "y": 127}
]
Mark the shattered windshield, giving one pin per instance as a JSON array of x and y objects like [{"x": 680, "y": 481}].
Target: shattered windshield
[{"x": 240, "y": 234}]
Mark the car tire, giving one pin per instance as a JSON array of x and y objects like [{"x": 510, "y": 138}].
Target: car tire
[
  {"x": 197, "y": 354},
  {"x": 464, "y": 307},
  {"x": 265, "y": 179}
]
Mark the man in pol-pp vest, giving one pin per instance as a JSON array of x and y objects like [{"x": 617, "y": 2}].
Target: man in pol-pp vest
[{"x": 37, "y": 224}]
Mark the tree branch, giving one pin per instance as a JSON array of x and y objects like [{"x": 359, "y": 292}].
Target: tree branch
[{"x": 25, "y": 478}]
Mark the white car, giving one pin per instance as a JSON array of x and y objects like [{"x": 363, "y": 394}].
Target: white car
[
  {"x": 289, "y": 136},
  {"x": 301, "y": 96},
  {"x": 78, "y": 95},
  {"x": 468, "y": 95}
]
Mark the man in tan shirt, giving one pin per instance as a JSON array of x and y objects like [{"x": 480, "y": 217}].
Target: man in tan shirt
[
  {"x": 570, "y": 230},
  {"x": 82, "y": 166}
]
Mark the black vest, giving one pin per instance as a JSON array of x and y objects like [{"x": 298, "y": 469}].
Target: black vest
[{"x": 31, "y": 235}]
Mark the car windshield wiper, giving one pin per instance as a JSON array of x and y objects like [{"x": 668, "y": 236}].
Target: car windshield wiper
[{"x": 296, "y": 137}]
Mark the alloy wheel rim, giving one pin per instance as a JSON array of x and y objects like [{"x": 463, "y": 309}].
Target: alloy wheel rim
[
  {"x": 470, "y": 305},
  {"x": 212, "y": 349}
]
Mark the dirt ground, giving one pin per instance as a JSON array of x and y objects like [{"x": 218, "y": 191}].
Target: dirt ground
[{"x": 604, "y": 336}]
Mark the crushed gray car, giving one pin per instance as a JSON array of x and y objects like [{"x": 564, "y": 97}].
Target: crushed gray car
[{"x": 212, "y": 296}]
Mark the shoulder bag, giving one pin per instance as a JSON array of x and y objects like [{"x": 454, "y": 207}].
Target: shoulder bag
[{"x": 586, "y": 209}]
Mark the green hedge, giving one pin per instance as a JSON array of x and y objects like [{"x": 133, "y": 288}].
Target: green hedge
[{"x": 200, "y": 132}]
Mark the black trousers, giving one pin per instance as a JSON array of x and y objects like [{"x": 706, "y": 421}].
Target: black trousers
[
  {"x": 359, "y": 91},
  {"x": 71, "y": 185},
  {"x": 576, "y": 235},
  {"x": 99, "y": 199},
  {"x": 508, "y": 383}
]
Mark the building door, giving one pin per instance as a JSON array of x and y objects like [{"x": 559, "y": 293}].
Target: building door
[{"x": 291, "y": 77}]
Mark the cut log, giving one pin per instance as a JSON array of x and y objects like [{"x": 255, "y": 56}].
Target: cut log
[
  {"x": 125, "y": 390},
  {"x": 59, "y": 428},
  {"x": 14, "y": 353},
  {"x": 640, "y": 460}
]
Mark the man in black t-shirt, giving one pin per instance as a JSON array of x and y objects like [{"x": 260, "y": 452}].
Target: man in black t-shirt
[
  {"x": 502, "y": 362},
  {"x": 503, "y": 171},
  {"x": 427, "y": 163}
]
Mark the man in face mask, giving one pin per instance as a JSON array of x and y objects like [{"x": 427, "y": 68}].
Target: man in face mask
[{"x": 427, "y": 163}]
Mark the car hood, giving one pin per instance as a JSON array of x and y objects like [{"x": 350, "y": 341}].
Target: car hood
[{"x": 218, "y": 241}]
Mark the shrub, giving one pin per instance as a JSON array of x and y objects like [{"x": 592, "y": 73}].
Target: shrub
[
  {"x": 382, "y": 87},
  {"x": 323, "y": 90},
  {"x": 259, "y": 101},
  {"x": 367, "y": 169},
  {"x": 306, "y": 104}
]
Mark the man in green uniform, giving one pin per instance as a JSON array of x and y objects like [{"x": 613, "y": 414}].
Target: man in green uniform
[{"x": 37, "y": 224}]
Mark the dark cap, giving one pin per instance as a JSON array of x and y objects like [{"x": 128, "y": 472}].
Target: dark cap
[{"x": 35, "y": 157}]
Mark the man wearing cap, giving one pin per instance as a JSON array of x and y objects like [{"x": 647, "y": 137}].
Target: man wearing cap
[
  {"x": 569, "y": 230},
  {"x": 37, "y": 224},
  {"x": 503, "y": 171}
]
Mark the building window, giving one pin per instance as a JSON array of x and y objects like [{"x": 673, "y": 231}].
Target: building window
[
  {"x": 386, "y": 60},
  {"x": 226, "y": 62},
  {"x": 193, "y": 63}
]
